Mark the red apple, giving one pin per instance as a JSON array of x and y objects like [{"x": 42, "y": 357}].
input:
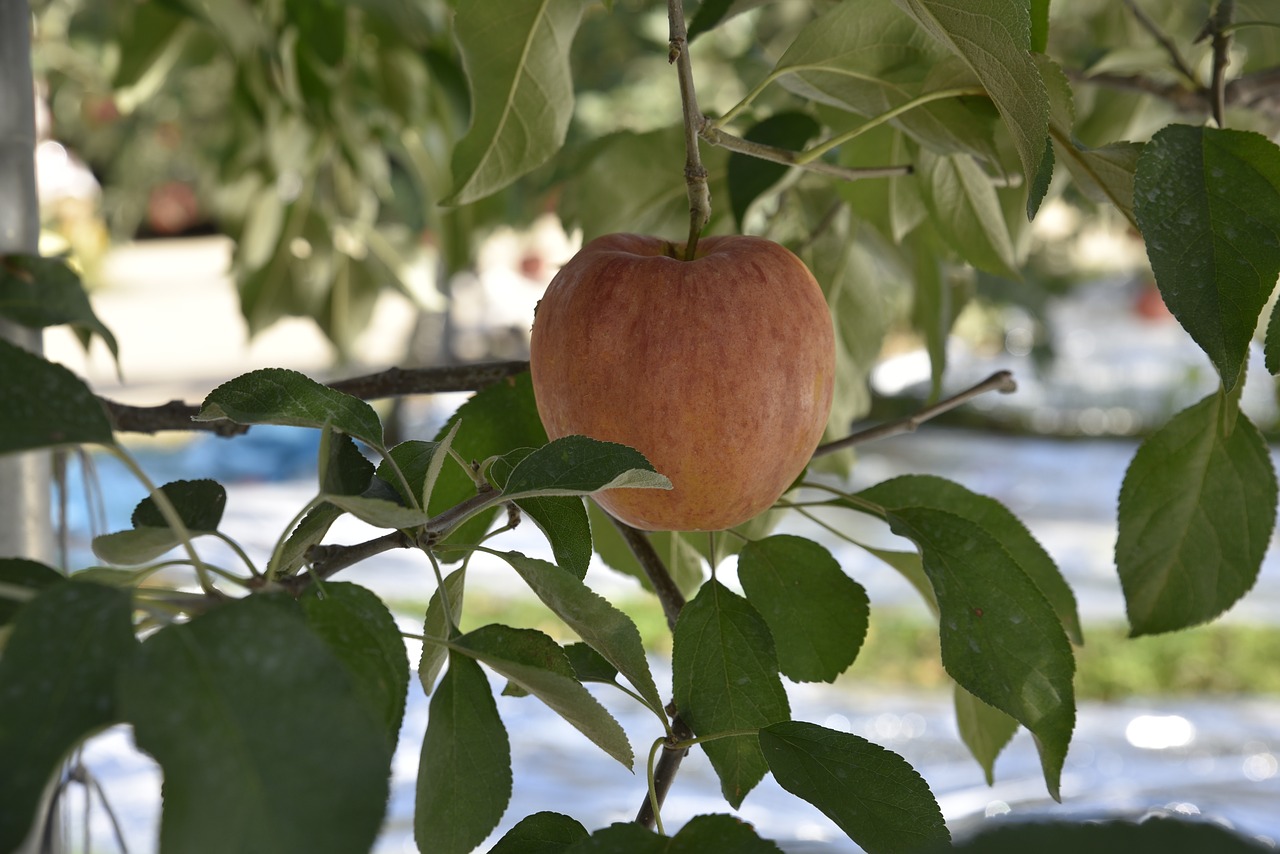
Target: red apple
[{"x": 719, "y": 370}]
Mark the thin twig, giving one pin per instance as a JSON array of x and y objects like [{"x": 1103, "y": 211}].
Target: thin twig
[
  {"x": 393, "y": 382},
  {"x": 1218, "y": 28},
  {"x": 329, "y": 560},
  {"x": 785, "y": 156},
  {"x": 1001, "y": 381},
  {"x": 1165, "y": 42},
  {"x": 695, "y": 174}
]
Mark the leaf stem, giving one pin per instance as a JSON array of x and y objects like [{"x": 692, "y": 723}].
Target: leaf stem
[
  {"x": 655, "y": 803},
  {"x": 695, "y": 174},
  {"x": 1001, "y": 381},
  {"x": 1218, "y": 29},
  {"x": 240, "y": 552},
  {"x": 810, "y": 154},
  {"x": 787, "y": 157}
]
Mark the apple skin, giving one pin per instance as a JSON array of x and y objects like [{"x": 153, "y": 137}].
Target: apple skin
[{"x": 719, "y": 370}]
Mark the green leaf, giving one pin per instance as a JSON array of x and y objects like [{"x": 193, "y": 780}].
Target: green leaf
[
  {"x": 589, "y": 665},
  {"x": 1271, "y": 343},
  {"x": 708, "y": 15},
  {"x": 517, "y": 63},
  {"x": 607, "y": 630},
  {"x": 578, "y": 465},
  {"x": 200, "y": 504},
  {"x": 993, "y": 37},
  {"x": 279, "y": 396},
  {"x": 277, "y": 714},
  {"x": 45, "y": 405},
  {"x": 872, "y": 794},
  {"x": 537, "y": 664},
  {"x": 1001, "y": 639},
  {"x": 436, "y": 626},
  {"x": 1208, "y": 203},
  {"x": 625, "y": 837},
  {"x": 816, "y": 614},
  {"x": 983, "y": 729},
  {"x": 719, "y": 834},
  {"x": 750, "y": 177},
  {"x": 937, "y": 301},
  {"x": 564, "y": 522},
  {"x": 653, "y": 199},
  {"x": 682, "y": 558},
  {"x": 57, "y": 686},
  {"x": 22, "y": 574},
  {"x": 342, "y": 468},
  {"x": 996, "y": 519},
  {"x": 725, "y": 679},
  {"x": 966, "y": 211},
  {"x": 413, "y": 458},
  {"x": 310, "y": 532},
  {"x": 910, "y": 567},
  {"x": 42, "y": 292},
  {"x": 1197, "y": 509},
  {"x": 464, "y": 775},
  {"x": 494, "y": 421},
  {"x": 379, "y": 512},
  {"x": 866, "y": 57},
  {"x": 1039, "y": 25},
  {"x": 363, "y": 635},
  {"x": 541, "y": 833}
]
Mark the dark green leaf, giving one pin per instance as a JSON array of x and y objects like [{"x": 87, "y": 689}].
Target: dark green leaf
[
  {"x": 609, "y": 631},
  {"x": 983, "y": 729},
  {"x": 22, "y": 575},
  {"x": 43, "y": 292},
  {"x": 278, "y": 396},
  {"x": 45, "y": 405},
  {"x": 199, "y": 503},
  {"x": 1271, "y": 344},
  {"x": 540, "y": 833},
  {"x": 873, "y": 794},
  {"x": 310, "y": 532},
  {"x": 277, "y": 714},
  {"x": 725, "y": 679},
  {"x": 589, "y": 665},
  {"x": 517, "y": 62},
  {"x": 150, "y": 45},
  {"x": 57, "y": 686},
  {"x": 910, "y": 567},
  {"x": 750, "y": 177},
  {"x": 578, "y": 465},
  {"x": 630, "y": 838},
  {"x": 719, "y": 834},
  {"x": 1208, "y": 203},
  {"x": 537, "y": 664},
  {"x": 993, "y": 37},
  {"x": 1165, "y": 835},
  {"x": 996, "y": 519},
  {"x": 343, "y": 469},
  {"x": 563, "y": 519},
  {"x": 436, "y": 626},
  {"x": 1001, "y": 639},
  {"x": 937, "y": 302},
  {"x": 413, "y": 458},
  {"x": 464, "y": 775},
  {"x": 709, "y": 14},
  {"x": 363, "y": 635},
  {"x": 816, "y": 614},
  {"x": 1197, "y": 508},
  {"x": 1039, "y": 25},
  {"x": 494, "y": 421}
]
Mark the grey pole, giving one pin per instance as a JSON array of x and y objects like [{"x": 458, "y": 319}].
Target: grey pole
[
  {"x": 25, "y": 529},
  {"x": 25, "y": 526}
]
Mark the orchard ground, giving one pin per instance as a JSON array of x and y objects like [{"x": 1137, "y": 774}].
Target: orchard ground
[{"x": 176, "y": 317}]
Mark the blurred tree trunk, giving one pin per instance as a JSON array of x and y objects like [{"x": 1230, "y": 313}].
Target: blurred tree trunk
[{"x": 25, "y": 529}]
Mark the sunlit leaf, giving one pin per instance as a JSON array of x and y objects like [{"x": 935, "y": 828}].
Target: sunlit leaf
[
  {"x": 1197, "y": 509},
  {"x": 435, "y": 625},
  {"x": 967, "y": 212},
  {"x": 516, "y": 59},
  {"x": 198, "y": 503},
  {"x": 983, "y": 729}
]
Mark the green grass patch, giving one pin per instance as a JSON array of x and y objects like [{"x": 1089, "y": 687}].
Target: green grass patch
[{"x": 901, "y": 651}]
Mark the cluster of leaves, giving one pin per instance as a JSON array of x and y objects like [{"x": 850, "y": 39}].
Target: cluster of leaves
[{"x": 979, "y": 106}]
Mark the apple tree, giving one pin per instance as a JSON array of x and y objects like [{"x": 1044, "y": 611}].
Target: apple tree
[{"x": 900, "y": 148}]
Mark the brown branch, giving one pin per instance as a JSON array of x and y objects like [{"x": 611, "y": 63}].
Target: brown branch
[
  {"x": 695, "y": 174},
  {"x": 393, "y": 382},
  {"x": 1001, "y": 381},
  {"x": 1218, "y": 29},
  {"x": 664, "y": 586},
  {"x": 1165, "y": 42}
]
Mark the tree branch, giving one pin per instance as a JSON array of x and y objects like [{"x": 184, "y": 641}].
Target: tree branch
[
  {"x": 1218, "y": 29},
  {"x": 664, "y": 586},
  {"x": 695, "y": 174},
  {"x": 1165, "y": 42},
  {"x": 1001, "y": 381},
  {"x": 1259, "y": 90},
  {"x": 393, "y": 382}
]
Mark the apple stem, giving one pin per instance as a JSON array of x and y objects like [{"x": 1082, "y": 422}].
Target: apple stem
[{"x": 695, "y": 174}]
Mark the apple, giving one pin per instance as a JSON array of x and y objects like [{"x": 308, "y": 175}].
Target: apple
[{"x": 718, "y": 369}]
